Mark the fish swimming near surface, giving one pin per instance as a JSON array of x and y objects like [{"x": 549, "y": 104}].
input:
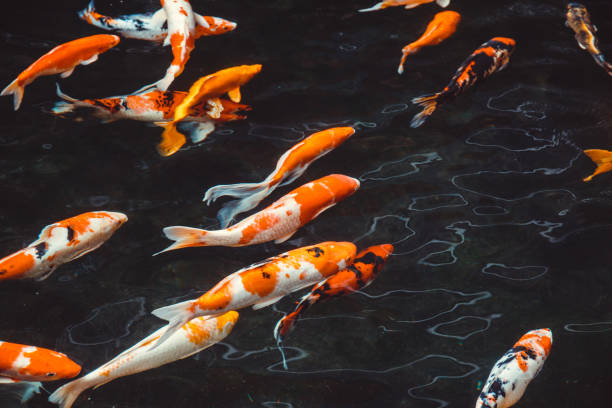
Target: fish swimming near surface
[
  {"x": 277, "y": 222},
  {"x": 59, "y": 243},
  {"x": 193, "y": 337},
  {"x": 408, "y": 4},
  {"x": 181, "y": 37},
  {"x": 289, "y": 167},
  {"x": 490, "y": 57},
  {"x": 357, "y": 275},
  {"x": 443, "y": 25},
  {"x": 579, "y": 20},
  {"x": 152, "y": 26},
  {"x": 263, "y": 283},
  {"x": 601, "y": 158},
  {"x": 514, "y": 371},
  {"x": 61, "y": 60},
  {"x": 209, "y": 89}
]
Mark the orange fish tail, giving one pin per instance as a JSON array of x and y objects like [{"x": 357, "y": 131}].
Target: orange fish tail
[
  {"x": 602, "y": 159},
  {"x": 172, "y": 139},
  {"x": 429, "y": 103},
  {"x": 16, "y": 90},
  {"x": 185, "y": 237}
]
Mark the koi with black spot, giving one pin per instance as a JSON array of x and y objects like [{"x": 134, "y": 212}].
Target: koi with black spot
[{"x": 490, "y": 57}]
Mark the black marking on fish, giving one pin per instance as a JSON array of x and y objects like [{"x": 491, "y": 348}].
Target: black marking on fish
[
  {"x": 497, "y": 388},
  {"x": 266, "y": 275},
  {"x": 165, "y": 25},
  {"x": 139, "y": 25},
  {"x": 69, "y": 233},
  {"x": 316, "y": 252},
  {"x": 41, "y": 250}
]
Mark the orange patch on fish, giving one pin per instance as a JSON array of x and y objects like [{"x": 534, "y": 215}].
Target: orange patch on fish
[
  {"x": 261, "y": 281},
  {"x": 15, "y": 265},
  {"x": 216, "y": 299},
  {"x": 260, "y": 223}
]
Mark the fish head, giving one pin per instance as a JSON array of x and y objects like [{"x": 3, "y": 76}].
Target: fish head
[
  {"x": 504, "y": 47},
  {"x": 539, "y": 340},
  {"x": 222, "y": 25},
  {"x": 340, "y": 185},
  {"x": 371, "y": 260},
  {"x": 576, "y": 13},
  {"x": 49, "y": 365},
  {"x": 340, "y": 134},
  {"x": 246, "y": 72}
]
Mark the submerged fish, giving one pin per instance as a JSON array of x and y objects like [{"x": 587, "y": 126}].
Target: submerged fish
[
  {"x": 19, "y": 362},
  {"x": 357, "y": 275},
  {"x": 579, "y": 20},
  {"x": 289, "y": 167},
  {"x": 514, "y": 371},
  {"x": 193, "y": 337},
  {"x": 61, "y": 60},
  {"x": 59, "y": 243},
  {"x": 603, "y": 160},
  {"x": 439, "y": 29},
  {"x": 408, "y": 4},
  {"x": 490, "y": 57},
  {"x": 277, "y": 222},
  {"x": 262, "y": 284},
  {"x": 152, "y": 26}
]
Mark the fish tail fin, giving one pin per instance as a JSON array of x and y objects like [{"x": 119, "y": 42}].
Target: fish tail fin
[
  {"x": 602, "y": 159},
  {"x": 285, "y": 325},
  {"x": 185, "y": 237},
  {"x": 176, "y": 315},
  {"x": 172, "y": 139},
  {"x": 67, "y": 105},
  {"x": 429, "y": 103},
  {"x": 377, "y": 6},
  {"x": 16, "y": 90},
  {"x": 443, "y": 3},
  {"x": 249, "y": 194},
  {"x": 65, "y": 395},
  {"x": 87, "y": 13}
]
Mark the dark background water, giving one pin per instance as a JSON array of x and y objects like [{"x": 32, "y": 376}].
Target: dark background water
[{"x": 495, "y": 232}]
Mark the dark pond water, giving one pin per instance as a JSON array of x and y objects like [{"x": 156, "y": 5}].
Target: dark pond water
[{"x": 495, "y": 232}]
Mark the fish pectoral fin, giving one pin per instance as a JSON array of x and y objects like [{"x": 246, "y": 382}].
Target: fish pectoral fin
[
  {"x": 66, "y": 74},
  {"x": 581, "y": 45},
  {"x": 283, "y": 239},
  {"x": 94, "y": 58},
  {"x": 102, "y": 383},
  {"x": 234, "y": 94},
  {"x": 172, "y": 141},
  {"x": 265, "y": 303},
  {"x": 46, "y": 274}
]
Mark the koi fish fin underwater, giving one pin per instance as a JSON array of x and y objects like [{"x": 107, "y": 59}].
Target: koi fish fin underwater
[
  {"x": 261, "y": 305},
  {"x": 230, "y": 210},
  {"x": 429, "y": 104},
  {"x": 234, "y": 95},
  {"x": 67, "y": 73},
  {"x": 176, "y": 315},
  {"x": 17, "y": 91},
  {"x": 16, "y": 393},
  {"x": 233, "y": 190},
  {"x": 185, "y": 237},
  {"x": 172, "y": 139},
  {"x": 443, "y": 3},
  {"x": 67, "y": 394},
  {"x": 406, "y": 51},
  {"x": 198, "y": 131},
  {"x": 377, "y": 6},
  {"x": 602, "y": 159}
]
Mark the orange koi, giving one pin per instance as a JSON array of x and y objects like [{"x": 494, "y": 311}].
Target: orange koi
[
  {"x": 289, "y": 167},
  {"x": 408, "y": 4},
  {"x": 490, "y": 57},
  {"x": 59, "y": 243},
  {"x": 579, "y": 20},
  {"x": 512, "y": 373},
  {"x": 277, "y": 222},
  {"x": 439, "y": 29},
  {"x": 262, "y": 284},
  {"x": 603, "y": 160},
  {"x": 61, "y": 60},
  {"x": 19, "y": 362}
]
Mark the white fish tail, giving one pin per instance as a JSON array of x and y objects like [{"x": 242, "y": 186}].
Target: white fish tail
[
  {"x": 68, "y": 105},
  {"x": 194, "y": 237},
  {"x": 177, "y": 315},
  {"x": 443, "y": 3},
  {"x": 17, "y": 92},
  {"x": 65, "y": 395},
  {"x": 375, "y": 7},
  {"x": 429, "y": 103},
  {"x": 229, "y": 210}
]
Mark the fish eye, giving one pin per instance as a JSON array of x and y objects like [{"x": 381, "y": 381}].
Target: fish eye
[{"x": 50, "y": 374}]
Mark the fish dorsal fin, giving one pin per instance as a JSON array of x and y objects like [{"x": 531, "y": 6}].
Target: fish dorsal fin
[
  {"x": 88, "y": 61},
  {"x": 262, "y": 304},
  {"x": 234, "y": 94}
]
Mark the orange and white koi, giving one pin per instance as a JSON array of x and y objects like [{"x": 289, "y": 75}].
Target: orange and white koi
[
  {"x": 277, "y": 222},
  {"x": 358, "y": 275},
  {"x": 61, "y": 60},
  {"x": 490, "y": 57},
  {"x": 579, "y": 20},
  {"x": 439, "y": 29},
  {"x": 193, "y": 337},
  {"x": 602, "y": 159},
  {"x": 514, "y": 371},
  {"x": 408, "y": 4},
  {"x": 20, "y": 362},
  {"x": 209, "y": 89},
  {"x": 59, "y": 243},
  {"x": 289, "y": 167},
  {"x": 262, "y": 284},
  {"x": 152, "y": 26}
]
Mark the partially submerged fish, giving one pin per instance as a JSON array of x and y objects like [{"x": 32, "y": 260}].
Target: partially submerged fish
[
  {"x": 20, "y": 362},
  {"x": 59, "y": 243},
  {"x": 193, "y": 337},
  {"x": 152, "y": 26},
  {"x": 579, "y": 20},
  {"x": 490, "y": 57},
  {"x": 408, "y": 4},
  {"x": 512, "y": 373},
  {"x": 61, "y": 60},
  {"x": 277, "y": 222},
  {"x": 443, "y": 25},
  {"x": 289, "y": 167},
  {"x": 601, "y": 158},
  {"x": 263, "y": 283}
]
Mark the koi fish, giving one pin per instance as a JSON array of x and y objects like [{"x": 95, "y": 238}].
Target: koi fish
[
  {"x": 277, "y": 222},
  {"x": 152, "y": 26},
  {"x": 514, "y": 371},
  {"x": 193, "y": 337},
  {"x": 61, "y": 60},
  {"x": 579, "y": 20},
  {"x": 289, "y": 167},
  {"x": 262, "y": 284},
  {"x": 59, "y": 243},
  {"x": 208, "y": 88},
  {"x": 408, "y": 4},
  {"x": 181, "y": 36},
  {"x": 603, "y": 160},
  {"x": 439, "y": 29},
  {"x": 490, "y": 57},
  {"x": 19, "y": 362},
  {"x": 358, "y": 275}
]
